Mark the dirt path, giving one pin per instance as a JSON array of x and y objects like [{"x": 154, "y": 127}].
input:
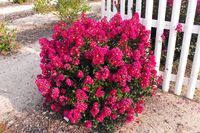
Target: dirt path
[{"x": 17, "y": 88}]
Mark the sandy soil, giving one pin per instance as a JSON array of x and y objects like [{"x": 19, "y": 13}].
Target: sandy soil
[{"x": 167, "y": 113}]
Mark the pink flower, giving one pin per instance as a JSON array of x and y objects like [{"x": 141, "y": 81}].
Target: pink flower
[
  {"x": 88, "y": 124},
  {"x": 170, "y": 3},
  {"x": 81, "y": 106},
  {"x": 106, "y": 112},
  {"x": 113, "y": 92},
  {"x": 55, "y": 107},
  {"x": 88, "y": 80},
  {"x": 63, "y": 91},
  {"x": 43, "y": 86},
  {"x": 114, "y": 116},
  {"x": 74, "y": 116},
  {"x": 55, "y": 93},
  {"x": 60, "y": 77},
  {"x": 69, "y": 82},
  {"x": 63, "y": 100},
  {"x": 115, "y": 56},
  {"x": 98, "y": 55},
  {"x": 85, "y": 88},
  {"x": 111, "y": 100},
  {"x": 56, "y": 62},
  {"x": 126, "y": 89},
  {"x": 100, "y": 118},
  {"x": 139, "y": 108},
  {"x": 179, "y": 28},
  {"x": 99, "y": 93},
  {"x": 95, "y": 109},
  {"x": 121, "y": 76},
  {"x": 80, "y": 74},
  {"x": 129, "y": 118},
  {"x": 103, "y": 74},
  {"x": 79, "y": 41},
  {"x": 81, "y": 95},
  {"x": 136, "y": 55},
  {"x": 198, "y": 7},
  {"x": 134, "y": 69},
  {"x": 130, "y": 111},
  {"x": 75, "y": 52},
  {"x": 163, "y": 37},
  {"x": 124, "y": 104},
  {"x": 67, "y": 58}
]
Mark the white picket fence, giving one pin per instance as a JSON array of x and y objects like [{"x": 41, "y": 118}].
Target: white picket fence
[{"x": 188, "y": 28}]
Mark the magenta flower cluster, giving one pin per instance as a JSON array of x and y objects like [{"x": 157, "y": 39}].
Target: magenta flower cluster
[{"x": 96, "y": 72}]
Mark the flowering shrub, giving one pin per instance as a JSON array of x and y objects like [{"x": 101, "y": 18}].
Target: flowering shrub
[{"x": 98, "y": 73}]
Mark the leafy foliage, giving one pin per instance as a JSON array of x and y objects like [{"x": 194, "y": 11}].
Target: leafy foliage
[
  {"x": 67, "y": 10},
  {"x": 7, "y": 39}
]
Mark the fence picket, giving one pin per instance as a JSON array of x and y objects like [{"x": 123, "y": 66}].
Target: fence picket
[
  {"x": 171, "y": 44},
  {"x": 103, "y": 8},
  {"x": 114, "y": 6},
  {"x": 160, "y": 29},
  {"x": 195, "y": 70},
  {"x": 109, "y": 9},
  {"x": 185, "y": 46},
  {"x": 148, "y": 14},
  {"x": 138, "y": 7},
  {"x": 122, "y": 8},
  {"x": 130, "y": 6}
]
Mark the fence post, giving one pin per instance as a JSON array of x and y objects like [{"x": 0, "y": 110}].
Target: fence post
[
  {"x": 186, "y": 45},
  {"x": 171, "y": 45},
  {"x": 138, "y": 7},
  {"x": 160, "y": 29},
  {"x": 195, "y": 70}
]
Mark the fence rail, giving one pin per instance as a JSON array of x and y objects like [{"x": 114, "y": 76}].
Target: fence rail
[{"x": 160, "y": 24}]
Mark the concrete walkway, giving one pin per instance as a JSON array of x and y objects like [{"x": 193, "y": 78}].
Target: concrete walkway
[
  {"x": 17, "y": 76},
  {"x": 15, "y": 9}
]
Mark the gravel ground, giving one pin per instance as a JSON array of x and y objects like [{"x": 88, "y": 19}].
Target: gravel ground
[{"x": 164, "y": 113}]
